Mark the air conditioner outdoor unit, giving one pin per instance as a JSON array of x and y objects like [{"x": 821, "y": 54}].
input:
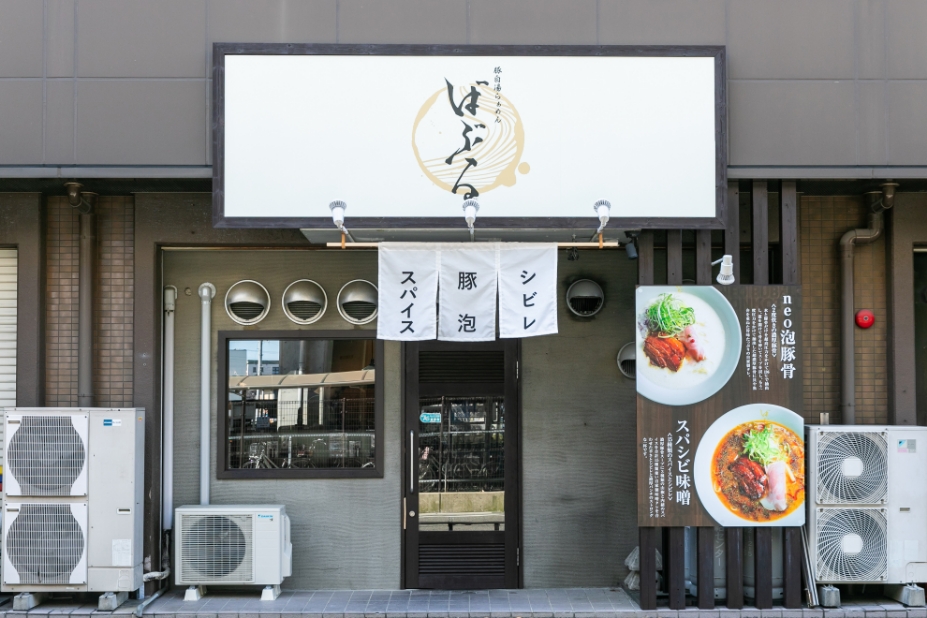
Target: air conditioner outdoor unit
[
  {"x": 232, "y": 545},
  {"x": 73, "y": 512},
  {"x": 867, "y": 520}
]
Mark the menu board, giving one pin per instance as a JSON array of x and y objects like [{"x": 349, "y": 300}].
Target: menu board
[{"x": 720, "y": 432}]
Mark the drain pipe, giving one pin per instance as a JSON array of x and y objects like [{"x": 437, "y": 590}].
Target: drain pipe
[
  {"x": 167, "y": 406},
  {"x": 878, "y": 202},
  {"x": 207, "y": 292},
  {"x": 84, "y": 203}
]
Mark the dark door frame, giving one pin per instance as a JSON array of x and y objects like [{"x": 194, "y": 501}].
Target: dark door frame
[{"x": 411, "y": 393}]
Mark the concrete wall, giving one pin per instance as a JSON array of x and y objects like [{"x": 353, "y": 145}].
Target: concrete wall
[
  {"x": 908, "y": 230},
  {"x": 578, "y": 430},
  {"x": 346, "y": 533},
  {"x": 579, "y": 419},
  {"x": 838, "y": 83}
]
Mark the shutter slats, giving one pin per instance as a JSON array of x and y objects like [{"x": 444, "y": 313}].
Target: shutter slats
[
  {"x": 484, "y": 367},
  {"x": 486, "y": 559},
  {"x": 8, "y": 270}
]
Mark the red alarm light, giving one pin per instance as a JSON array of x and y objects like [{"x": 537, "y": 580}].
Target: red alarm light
[{"x": 865, "y": 318}]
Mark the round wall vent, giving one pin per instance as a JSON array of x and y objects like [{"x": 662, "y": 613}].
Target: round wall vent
[
  {"x": 585, "y": 298},
  {"x": 627, "y": 360},
  {"x": 304, "y": 301},
  {"x": 247, "y": 302},
  {"x": 357, "y": 302}
]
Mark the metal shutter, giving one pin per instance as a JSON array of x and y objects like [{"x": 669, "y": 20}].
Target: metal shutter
[{"x": 7, "y": 334}]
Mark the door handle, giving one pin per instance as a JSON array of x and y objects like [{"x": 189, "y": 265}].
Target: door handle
[{"x": 411, "y": 461}]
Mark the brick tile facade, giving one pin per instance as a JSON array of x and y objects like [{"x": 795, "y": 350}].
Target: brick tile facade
[
  {"x": 62, "y": 243},
  {"x": 113, "y": 302},
  {"x": 823, "y": 221}
]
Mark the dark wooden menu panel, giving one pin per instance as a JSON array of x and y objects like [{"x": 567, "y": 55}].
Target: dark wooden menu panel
[{"x": 656, "y": 421}]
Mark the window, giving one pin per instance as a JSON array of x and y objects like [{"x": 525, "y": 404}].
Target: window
[{"x": 300, "y": 404}]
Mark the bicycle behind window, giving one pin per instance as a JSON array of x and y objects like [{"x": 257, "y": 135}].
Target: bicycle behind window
[{"x": 300, "y": 405}]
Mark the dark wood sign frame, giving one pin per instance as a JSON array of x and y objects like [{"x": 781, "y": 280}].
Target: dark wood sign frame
[{"x": 221, "y": 50}]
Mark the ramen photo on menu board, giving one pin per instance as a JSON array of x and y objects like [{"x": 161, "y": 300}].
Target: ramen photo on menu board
[
  {"x": 750, "y": 467},
  {"x": 759, "y": 471},
  {"x": 688, "y": 343}
]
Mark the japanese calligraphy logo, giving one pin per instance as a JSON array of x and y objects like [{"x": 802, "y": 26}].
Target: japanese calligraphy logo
[{"x": 468, "y": 138}]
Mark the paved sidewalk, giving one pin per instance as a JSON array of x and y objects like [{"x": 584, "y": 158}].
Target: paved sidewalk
[{"x": 528, "y": 603}]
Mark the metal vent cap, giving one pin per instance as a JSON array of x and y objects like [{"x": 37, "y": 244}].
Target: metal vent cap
[
  {"x": 357, "y": 302},
  {"x": 627, "y": 360},
  {"x": 304, "y": 301},
  {"x": 585, "y": 298},
  {"x": 247, "y": 302}
]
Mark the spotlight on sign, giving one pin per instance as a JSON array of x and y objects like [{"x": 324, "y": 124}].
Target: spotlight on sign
[
  {"x": 338, "y": 207},
  {"x": 603, "y": 209},
  {"x": 631, "y": 246},
  {"x": 470, "y": 208},
  {"x": 726, "y": 276}
]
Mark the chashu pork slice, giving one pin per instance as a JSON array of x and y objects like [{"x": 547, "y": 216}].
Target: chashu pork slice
[{"x": 665, "y": 352}]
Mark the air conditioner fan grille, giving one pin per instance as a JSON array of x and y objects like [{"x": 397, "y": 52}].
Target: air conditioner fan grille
[
  {"x": 851, "y": 545},
  {"x": 46, "y": 455},
  {"x": 863, "y": 482},
  {"x": 44, "y": 544},
  {"x": 216, "y": 548}
]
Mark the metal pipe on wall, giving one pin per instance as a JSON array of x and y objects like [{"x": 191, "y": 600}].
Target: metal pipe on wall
[
  {"x": 207, "y": 292},
  {"x": 167, "y": 440},
  {"x": 878, "y": 201},
  {"x": 85, "y": 308}
]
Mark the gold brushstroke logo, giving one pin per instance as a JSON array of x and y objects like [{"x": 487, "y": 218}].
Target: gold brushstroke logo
[{"x": 468, "y": 139}]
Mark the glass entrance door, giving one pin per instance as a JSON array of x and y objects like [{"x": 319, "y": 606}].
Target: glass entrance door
[
  {"x": 461, "y": 464},
  {"x": 460, "y": 499}
]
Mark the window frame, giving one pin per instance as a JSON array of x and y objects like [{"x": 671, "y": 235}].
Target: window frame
[{"x": 225, "y": 473}]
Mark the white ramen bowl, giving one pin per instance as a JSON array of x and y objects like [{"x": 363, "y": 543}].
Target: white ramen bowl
[
  {"x": 718, "y": 430},
  {"x": 695, "y": 381}
]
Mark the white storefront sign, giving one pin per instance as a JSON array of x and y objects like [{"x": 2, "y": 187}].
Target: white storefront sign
[{"x": 401, "y": 136}]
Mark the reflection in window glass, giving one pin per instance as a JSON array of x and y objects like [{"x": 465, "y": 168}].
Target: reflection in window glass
[
  {"x": 301, "y": 404},
  {"x": 461, "y": 457}
]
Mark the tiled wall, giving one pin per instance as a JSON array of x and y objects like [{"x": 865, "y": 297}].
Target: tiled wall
[
  {"x": 113, "y": 302},
  {"x": 113, "y": 292},
  {"x": 823, "y": 221},
  {"x": 62, "y": 248}
]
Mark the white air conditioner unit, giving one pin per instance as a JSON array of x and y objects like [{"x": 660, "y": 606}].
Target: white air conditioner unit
[
  {"x": 867, "y": 518},
  {"x": 73, "y": 513},
  {"x": 232, "y": 545}
]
